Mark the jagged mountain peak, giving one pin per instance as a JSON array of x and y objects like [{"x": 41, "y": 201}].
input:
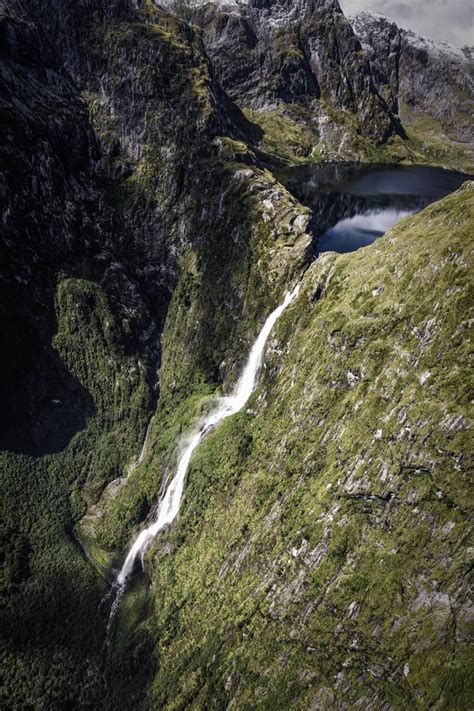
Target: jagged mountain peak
[
  {"x": 371, "y": 21},
  {"x": 272, "y": 55},
  {"x": 256, "y": 4},
  {"x": 429, "y": 84},
  {"x": 273, "y": 12}
]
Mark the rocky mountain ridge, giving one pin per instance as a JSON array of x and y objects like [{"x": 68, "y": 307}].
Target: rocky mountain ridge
[
  {"x": 290, "y": 64},
  {"x": 430, "y": 85}
]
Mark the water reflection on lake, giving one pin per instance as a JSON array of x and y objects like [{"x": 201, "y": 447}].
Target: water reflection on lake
[{"x": 355, "y": 204}]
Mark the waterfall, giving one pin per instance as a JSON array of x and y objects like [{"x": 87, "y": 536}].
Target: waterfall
[
  {"x": 136, "y": 462},
  {"x": 169, "y": 504}
]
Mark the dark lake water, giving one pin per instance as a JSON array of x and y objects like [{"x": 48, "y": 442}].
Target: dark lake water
[{"x": 355, "y": 204}]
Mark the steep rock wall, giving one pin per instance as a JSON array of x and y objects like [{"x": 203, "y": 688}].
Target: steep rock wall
[
  {"x": 429, "y": 84},
  {"x": 123, "y": 170},
  {"x": 296, "y": 65}
]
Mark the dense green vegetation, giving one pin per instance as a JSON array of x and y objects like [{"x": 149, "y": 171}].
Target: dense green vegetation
[
  {"x": 53, "y": 624},
  {"x": 323, "y": 531}
]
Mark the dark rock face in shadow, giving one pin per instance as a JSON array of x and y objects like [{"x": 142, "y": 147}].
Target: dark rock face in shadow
[{"x": 42, "y": 405}]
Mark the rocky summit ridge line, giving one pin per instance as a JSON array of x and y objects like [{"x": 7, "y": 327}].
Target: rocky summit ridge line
[
  {"x": 271, "y": 55},
  {"x": 430, "y": 85}
]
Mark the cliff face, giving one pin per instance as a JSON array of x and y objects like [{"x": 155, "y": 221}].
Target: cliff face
[
  {"x": 48, "y": 183},
  {"x": 122, "y": 169},
  {"x": 430, "y": 85},
  {"x": 125, "y": 181},
  {"x": 293, "y": 65}
]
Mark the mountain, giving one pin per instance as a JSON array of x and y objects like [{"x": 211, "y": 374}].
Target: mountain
[
  {"x": 319, "y": 557},
  {"x": 105, "y": 175},
  {"x": 297, "y": 70},
  {"x": 430, "y": 85},
  {"x": 130, "y": 192}
]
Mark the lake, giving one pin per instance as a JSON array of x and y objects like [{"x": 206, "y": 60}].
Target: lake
[{"x": 355, "y": 204}]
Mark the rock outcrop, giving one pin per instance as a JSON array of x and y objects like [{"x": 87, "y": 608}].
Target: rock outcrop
[
  {"x": 293, "y": 64},
  {"x": 430, "y": 85}
]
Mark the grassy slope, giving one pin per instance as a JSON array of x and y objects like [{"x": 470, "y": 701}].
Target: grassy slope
[
  {"x": 320, "y": 553},
  {"x": 431, "y": 141},
  {"x": 290, "y": 135}
]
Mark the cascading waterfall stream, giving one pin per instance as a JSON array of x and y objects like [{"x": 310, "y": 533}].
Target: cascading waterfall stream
[
  {"x": 169, "y": 505},
  {"x": 136, "y": 462}
]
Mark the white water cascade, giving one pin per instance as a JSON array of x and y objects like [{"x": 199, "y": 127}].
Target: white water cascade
[
  {"x": 136, "y": 462},
  {"x": 169, "y": 505}
]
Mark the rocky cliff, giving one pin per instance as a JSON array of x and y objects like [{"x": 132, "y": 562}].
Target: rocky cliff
[
  {"x": 297, "y": 70},
  {"x": 430, "y": 85},
  {"x": 125, "y": 181}
]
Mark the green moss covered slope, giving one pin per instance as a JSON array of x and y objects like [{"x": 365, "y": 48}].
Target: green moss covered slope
[{"x": 320, "y": 559}]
